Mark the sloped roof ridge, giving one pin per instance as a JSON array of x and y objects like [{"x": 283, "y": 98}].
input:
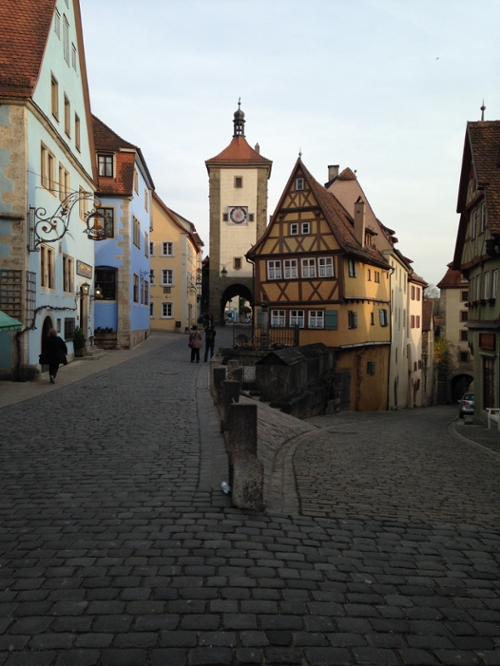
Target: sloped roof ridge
[
  {"x": 239, "y": 150},
  {"x": 341, "y": 222},
  {"x": 347, "y": 174},
  {"x": 112, "y": 140}
]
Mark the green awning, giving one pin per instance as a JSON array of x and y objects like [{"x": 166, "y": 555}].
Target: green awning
[{"x": 9, "y": 323}]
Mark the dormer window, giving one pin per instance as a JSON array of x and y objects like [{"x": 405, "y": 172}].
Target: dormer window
[
  {"x": 105, "y": 165},
  {"x": 299, "y": 184}
]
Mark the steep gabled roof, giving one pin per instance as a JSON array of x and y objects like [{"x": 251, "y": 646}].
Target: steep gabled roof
[
  {"x": 482, "y": 156},
  {"x": 239, "y": 152},
  {"x": 427, "y": 314},
  {"x": 339, "y": 220},
  {"x": 107, "y": 140},
  {"x": 181, "y": 222},
  {"x": 347, "y": 174},
  {"x": 25, "y": 26}
]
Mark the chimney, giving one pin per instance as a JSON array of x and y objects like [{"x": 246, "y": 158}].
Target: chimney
[
  {"x": 257, "y": 148},
  {"x": 333, "y": 171},
  {"x": 359, "y": 221}
]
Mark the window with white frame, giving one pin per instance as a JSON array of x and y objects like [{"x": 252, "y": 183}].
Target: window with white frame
[
  {"x": 325, "y": 267},
  {"x": 48, "y": 169},
  {"x": 57, "y": 24},
  {"x": 54, "y": 96},
  {"x": 152, "y": 276},
  {"x": 494, "y": 283},
  {"x": 294, "y": 229},
  {"x": 67, "y": 116},
  {"x": 73, "y": 56},
  {"x": 352, "y": 267},
  {"x": 136, "y": 181},
  {"x": 66, "y": 39},
  {"x": 352, "y": 319},
  {"x": 277, "y": 318},
  {"x": 305, "y": 228},
  {"x": 297, "y": 318},
  {"x": 146, "y": 244},
  {"x": 167, "y": 249},
  {"x": 151, "y": 248},
  {"x": 105, "y": 165},
  {"x": 167, "y": 310},
  {"x": 384, "y": 317},
  {"x": 68, "y": 274},
  {"x": 486, "y": 285},
  {"x": 136, "y": 231},
  {"x": 316, "y": 319},
  {"x": 47, "y": 264},
  {"x": 63, "y": 182},
  {"x": 376, "y": 276},
  {"x": 308, "y": 268},
  {"x": 299, "y": 184},
  {"x": 77, "y": 132},
  {"x": 274, "y": 269},
  {"x": 290, "y": 269},
  {"x": 167, "y": 277}
]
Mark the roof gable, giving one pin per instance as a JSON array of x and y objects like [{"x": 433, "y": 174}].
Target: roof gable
[
  {"x": 241, "y": 153},
  {"x": 338, "y": 219}
]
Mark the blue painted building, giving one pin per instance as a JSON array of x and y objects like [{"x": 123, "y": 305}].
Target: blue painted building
[
  {"x": 46, "y": 173},
  {"x": 122, "y": 260}
]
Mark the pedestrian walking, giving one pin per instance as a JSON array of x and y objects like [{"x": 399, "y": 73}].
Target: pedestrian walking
[
  {"x": 54, "y": 352},
  {"x": 195, "y": 342},
  {"x": 209, "y": 341}
]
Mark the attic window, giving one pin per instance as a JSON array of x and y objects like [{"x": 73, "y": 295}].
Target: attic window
[
  {"x": 299, "y": 184},
  {"x": 57, "y": 24},
  {"x": 105, "y": 163}
]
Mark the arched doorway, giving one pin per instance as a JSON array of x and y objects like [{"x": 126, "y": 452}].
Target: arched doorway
[
  {"x": 460, "y": 385},
  {"x": 48, "y": 325},
  {"x": 234, "y": 291}
]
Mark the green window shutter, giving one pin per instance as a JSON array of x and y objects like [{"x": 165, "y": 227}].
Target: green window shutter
[
  {"x": 331, "y": 319},
  {"x": 381, "y": 317},
  {"x": 259, "y": 318},
  {"x": 355, "y": 319}
]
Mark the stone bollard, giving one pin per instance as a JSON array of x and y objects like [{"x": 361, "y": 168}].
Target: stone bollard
[
  {"x": 236, "y": 374},
  {"x": 246, "y": 471},
  {"x": 218, "y": 377},
  {"x": 230, "y": 395},
  {"x": 232, "y": 364}
]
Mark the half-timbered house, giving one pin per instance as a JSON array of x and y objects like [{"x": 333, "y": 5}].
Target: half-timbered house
[
  {"x": 477, "y": 256},
  {"x": 316, "y": 267}
]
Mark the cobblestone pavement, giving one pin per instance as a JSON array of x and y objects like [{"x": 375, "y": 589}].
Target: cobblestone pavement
[{"x": 117, "y": 547}]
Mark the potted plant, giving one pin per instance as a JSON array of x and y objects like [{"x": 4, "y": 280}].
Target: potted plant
[{"x": 79, "y": 341}]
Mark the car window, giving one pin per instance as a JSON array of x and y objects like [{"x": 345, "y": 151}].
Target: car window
[{"x": 469, "y": 396}]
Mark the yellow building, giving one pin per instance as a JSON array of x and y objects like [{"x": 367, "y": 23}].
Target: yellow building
[
  {"x": 175, "y": 270},
  {"x": 316, "y": 267}
]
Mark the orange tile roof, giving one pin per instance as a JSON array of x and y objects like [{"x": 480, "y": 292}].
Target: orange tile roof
[
  {"x": 25, "y": 29},
  {"x": 453, "y": 278},
  {"x": 347, "y": 174},
  {"x": 485, "y": 143},
  {"x": 106, "y": 139},
  {"x": 239, "y": 152}
]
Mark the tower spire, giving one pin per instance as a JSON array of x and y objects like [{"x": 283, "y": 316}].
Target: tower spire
[
  {"x": 239, "y": 121},
  {"x": 483, "y": 109}
]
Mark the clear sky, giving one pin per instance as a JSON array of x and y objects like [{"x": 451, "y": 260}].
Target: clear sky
[{"x": 384, "y": 87}]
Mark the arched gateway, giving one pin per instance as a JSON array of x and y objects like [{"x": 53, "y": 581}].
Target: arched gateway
[{"x": 238, "y": 216}]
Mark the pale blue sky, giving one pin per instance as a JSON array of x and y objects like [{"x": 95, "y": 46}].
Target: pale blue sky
[{"x": 382, "y": 86}]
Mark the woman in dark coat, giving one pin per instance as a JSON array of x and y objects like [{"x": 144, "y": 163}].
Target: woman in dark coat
[
  {"x": 54, "y": 350},
  {"x": 195, "y": 342}
]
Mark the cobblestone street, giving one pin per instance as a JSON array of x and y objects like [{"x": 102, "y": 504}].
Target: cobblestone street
[{"x": 117, "y": 546}]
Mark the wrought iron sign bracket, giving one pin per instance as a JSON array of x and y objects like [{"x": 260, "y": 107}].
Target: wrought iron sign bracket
[{"x": 45, "y": 228}]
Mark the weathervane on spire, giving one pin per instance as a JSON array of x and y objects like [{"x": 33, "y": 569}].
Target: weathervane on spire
[
  {"x": 483, "y": 109},
  {"x": 300, "y": 152}
]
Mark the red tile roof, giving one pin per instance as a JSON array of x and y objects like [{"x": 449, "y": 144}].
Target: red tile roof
[
  {"x": 485, "y": 142},
  {"x": 106, "y": 139},
  {"x": 239, "y": 152},
  {"x": 427, "y": 312},
  {"x": 25, "y": 26},
  {"x": 453, "y": 278},
  {"x": 347, "y": 174}
]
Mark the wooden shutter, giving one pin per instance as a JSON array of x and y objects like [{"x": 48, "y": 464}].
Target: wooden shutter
[{"x": 331, "y": 320}]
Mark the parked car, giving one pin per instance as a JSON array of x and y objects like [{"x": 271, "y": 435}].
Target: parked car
[{"x": 466, "y": 405}]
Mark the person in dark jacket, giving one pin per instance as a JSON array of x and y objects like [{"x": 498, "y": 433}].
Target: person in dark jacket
[
  {"x": 54, "y": 350},
  {"x": 209, "y": 340}
]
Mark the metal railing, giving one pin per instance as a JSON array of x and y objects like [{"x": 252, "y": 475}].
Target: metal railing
[{"x": 245, "y": 336}]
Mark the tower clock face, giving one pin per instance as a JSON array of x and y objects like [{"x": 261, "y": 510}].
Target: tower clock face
[{"x": 238, "y": 215}]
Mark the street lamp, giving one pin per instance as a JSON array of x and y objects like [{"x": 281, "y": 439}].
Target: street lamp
[{"x": 85, "y": 289}]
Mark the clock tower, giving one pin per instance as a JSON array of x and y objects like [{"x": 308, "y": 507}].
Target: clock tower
[{"x": 238, "y": 216}]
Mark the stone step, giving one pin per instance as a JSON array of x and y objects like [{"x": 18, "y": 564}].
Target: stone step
[{"x": 93, "y": 354}]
